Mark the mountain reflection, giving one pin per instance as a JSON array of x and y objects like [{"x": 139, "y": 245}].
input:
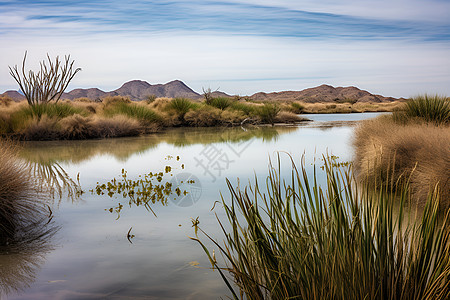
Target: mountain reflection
[{"x": 49, "y": 153}]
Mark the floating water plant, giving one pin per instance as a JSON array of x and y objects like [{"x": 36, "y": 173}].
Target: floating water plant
[{"x": 144, "y": 191}]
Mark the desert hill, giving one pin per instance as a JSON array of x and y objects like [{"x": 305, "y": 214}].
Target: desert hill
[
  {"x": 324, "y": 93},
  {"x": 140, "y": 90}
]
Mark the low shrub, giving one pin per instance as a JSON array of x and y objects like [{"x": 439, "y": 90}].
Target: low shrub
[
  {"x": 150, "y": 98},
  {"x": 160, "y": 104},
  {"x": 230, "y": 117},
  {"x": 181, "y": 106},
  {"x": 4, "y": 123},
  {"x": 110, "y": 100},
  {"x": 268, "y": 112},
  {"x": 117, "y": 126},
  {"x": 247, "y": 109},
  {"x": 6, "y": 101},
  {"x": 44, "y": 129},
  {"x": 139, "y": 112},
  {"x": 296, "y": 239},
  {"x": 297, "y": 108},
  {"x": 288, "y": 117},
  {"x": 77, "y": 127},
  {"x": 82, "y": 100},
  {"x": 205, "y": 116},
  {"x": 220, "y": 102},
  {"x": 51, "y": 110}
]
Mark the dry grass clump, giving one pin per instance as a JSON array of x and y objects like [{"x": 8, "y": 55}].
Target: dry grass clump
[
  {"x": 246, "y": 108},
  {"x": 115, "y": 99},
  {"x": 297, "y": 107},
  {"x": 160, "y": 104},
  {"x": 232, "y": 117},
  {"x": 6, "y": 101},
  {"x": 19, "y": 205},
  {"x": 268, "y": 112},
  {"x": 207, "y": 116},
  {"x": 384, "y": 148},
  {"x": 39, "y": 129},
  {"x": 358, "y": 107},
  {"x": 142, "y": 113},
  {"x": 117, "y": 126},
  {"x": 288, "y": 117}
]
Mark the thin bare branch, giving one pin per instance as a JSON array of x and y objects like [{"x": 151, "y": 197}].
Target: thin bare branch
[{"x": 49, "y": 83}]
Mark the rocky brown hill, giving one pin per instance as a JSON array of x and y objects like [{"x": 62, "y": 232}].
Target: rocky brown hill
[
  {"x": 324, "y": 93},
  {"x": 140, "y": 90},
  {"x": 14, "y": 95}
]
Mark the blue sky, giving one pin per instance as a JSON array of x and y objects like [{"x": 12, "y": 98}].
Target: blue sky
[{"x": 395, "y": 48}]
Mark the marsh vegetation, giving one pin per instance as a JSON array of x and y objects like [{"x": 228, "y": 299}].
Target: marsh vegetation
[
  {"x": 412, "y": 143},
  {"x": 293, "y": 238}
]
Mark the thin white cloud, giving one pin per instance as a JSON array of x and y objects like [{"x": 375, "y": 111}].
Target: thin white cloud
[
  {"x": 411, "y": 10},
  {"x": 244, "y": 65}
]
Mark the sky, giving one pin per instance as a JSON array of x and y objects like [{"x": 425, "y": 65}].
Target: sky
[{"x": 397, "y": 48}]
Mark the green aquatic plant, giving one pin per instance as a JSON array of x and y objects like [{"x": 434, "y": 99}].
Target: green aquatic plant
[
  {"x": 298, "y": 239},
  {"x": 145, "y": 191}
]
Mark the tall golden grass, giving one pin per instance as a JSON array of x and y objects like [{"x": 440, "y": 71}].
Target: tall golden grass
[
  {"x": 385, "y": 148},
  {"x": 19, "y": 201}
]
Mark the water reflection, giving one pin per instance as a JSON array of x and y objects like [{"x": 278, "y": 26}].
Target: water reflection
[
  {"x": 54, "y": 180},
  {"x": 161, "y": 252},
  {"x": 24, "y": 253},
  {"x": 123, "y": 148}
]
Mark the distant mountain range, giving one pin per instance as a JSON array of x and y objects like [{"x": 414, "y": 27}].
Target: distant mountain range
[{"x": 140, "y": 90}]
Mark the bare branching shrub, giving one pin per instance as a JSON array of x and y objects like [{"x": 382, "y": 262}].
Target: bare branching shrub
[
  {"x": 207, "y": 94},
  {"x": 49, "y": 83}
]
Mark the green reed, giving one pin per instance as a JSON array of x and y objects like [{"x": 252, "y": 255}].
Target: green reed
[
  {"x": 300, "y": 240},
  {"x": 432, "y": 109}
]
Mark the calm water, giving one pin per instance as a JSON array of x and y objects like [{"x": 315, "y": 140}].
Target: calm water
[{"x": 91, "y": 256}]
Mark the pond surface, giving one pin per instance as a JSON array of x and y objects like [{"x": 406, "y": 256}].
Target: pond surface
[{"x": 137, "y": 255}]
